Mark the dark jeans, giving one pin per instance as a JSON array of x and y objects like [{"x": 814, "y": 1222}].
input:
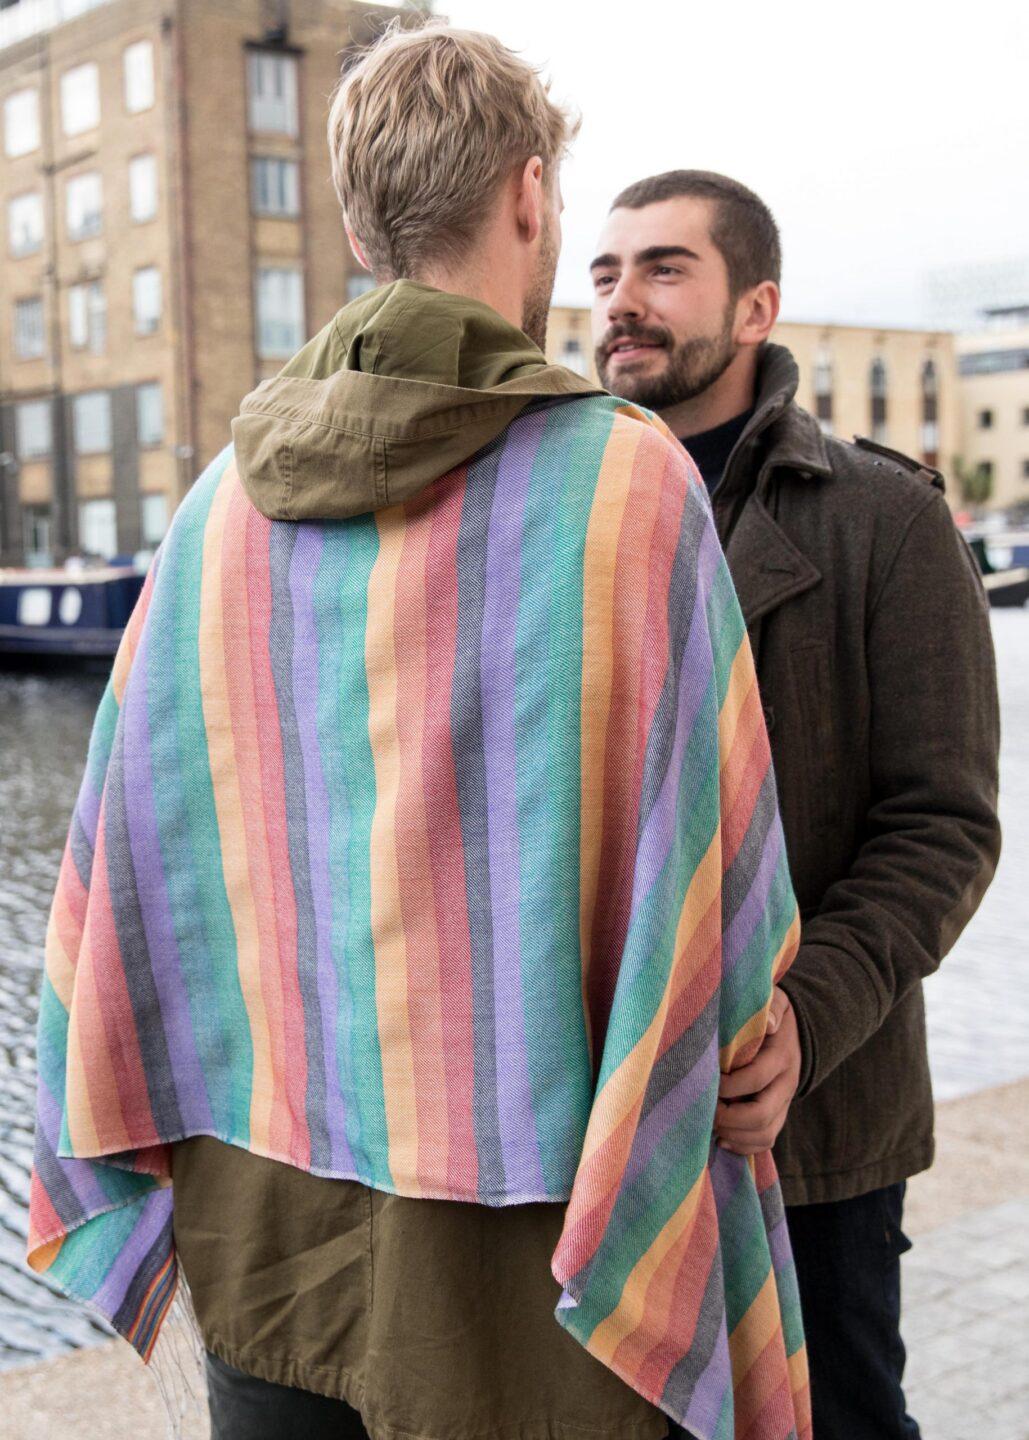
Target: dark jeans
[
  {"x": 848, "y": 1268},
  {"x": 245, "y": 1408}
]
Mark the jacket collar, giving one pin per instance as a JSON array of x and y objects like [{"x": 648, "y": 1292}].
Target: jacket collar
[
  {"x": 767, "y": 567},
  {"x": 778, "y": 434}
]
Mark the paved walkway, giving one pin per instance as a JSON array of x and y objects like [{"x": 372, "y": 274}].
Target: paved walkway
[{"x": 966, "y": 1286}]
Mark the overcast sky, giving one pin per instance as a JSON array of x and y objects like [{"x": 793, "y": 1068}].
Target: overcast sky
[{"x": 886, "y": 139}]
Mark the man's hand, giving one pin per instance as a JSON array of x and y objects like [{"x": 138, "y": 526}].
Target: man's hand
[{"x": 753, "y": 1101}]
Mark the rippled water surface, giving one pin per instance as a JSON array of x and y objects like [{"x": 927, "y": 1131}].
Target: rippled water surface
[{"x": 978, "y": 1004}]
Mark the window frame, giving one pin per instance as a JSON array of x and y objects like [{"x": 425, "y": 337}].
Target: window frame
[
  {"x": 150, "y": 157},
  {"x": 35, "y": 127},
  {"x": 287, "y": 348},
  {"x": 286, "y": 62},
  {"x": 77, "y": 410},
  {"x": 91, "y": 231},
  {"x": 19, "y": 253},
  {"x": 283, "y": 163},
  {"x": 138, "y": 46},
  {"x": 91, "y": 296},
  {"x": 95, "y": 116},
  {"x": 148, "y": 442},
  {"x": 140, "y": 321},
  {"x": 20, "y": 303},
  {"x": 45, "y": 408}
]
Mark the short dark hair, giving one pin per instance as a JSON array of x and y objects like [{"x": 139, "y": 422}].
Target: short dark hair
[{"x": 743, "y": 229}]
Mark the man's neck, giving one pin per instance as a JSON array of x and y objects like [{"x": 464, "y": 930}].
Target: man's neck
[
  {"x": 731, "y": 394},
  {"x": 494, "y": 286}
]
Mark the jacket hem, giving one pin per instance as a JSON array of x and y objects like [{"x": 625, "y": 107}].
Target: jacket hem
[
  {"x": 833, "y": 1185},
  {"x": 337, "y": 1383}
]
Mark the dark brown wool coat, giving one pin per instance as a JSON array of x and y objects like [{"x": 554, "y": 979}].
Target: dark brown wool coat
[{"x": 877, "y": 674}]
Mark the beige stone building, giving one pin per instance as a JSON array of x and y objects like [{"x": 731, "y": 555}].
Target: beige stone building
[
  {"x": 993, "y": 368},
  {"x": 170, "y": 236},
  {"x": 896, "y": 386}
]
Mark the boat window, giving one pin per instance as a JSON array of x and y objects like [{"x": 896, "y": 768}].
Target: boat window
[
  {"x": 70, "y": 607},
  {"x": 34, "y": 607}
]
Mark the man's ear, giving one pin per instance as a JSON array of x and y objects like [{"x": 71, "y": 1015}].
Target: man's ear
[
  {"x": 756, "y": 313},
  {"x": 357, "y": 248},
  {"x": 531, "y": 198}
]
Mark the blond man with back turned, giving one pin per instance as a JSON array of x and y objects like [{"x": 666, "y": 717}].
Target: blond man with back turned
[{"x": 428, "y": 874}]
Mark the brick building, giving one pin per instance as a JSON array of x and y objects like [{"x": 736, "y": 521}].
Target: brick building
[{"x": 170, "y": 236}]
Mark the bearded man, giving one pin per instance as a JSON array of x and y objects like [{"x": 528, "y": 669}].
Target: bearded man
[{"x": 875, "y": 663}]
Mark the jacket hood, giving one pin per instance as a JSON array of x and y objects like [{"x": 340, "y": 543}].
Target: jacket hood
[{"x": 400, "y": 387}]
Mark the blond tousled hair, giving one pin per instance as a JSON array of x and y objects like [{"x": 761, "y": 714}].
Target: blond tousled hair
[{"x": 422, "y": 131}]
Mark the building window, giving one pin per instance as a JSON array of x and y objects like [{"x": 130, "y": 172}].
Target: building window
[
  {"x": 572, "y": 357},
  {"x": 21, "y": 123},
  {"x": 275, "y": 186},
  {"x": 138, "y": 66},
  {"x": 29, "y": 339},
  {"x": 149, "y": 415},
  {"x": 80, "y": 99},
  {"x": 153, "y": 511},
  {"x": 358, "y": 285},
  {"x": 1025, "y": 415},
  {"x": 25, "y": 223},
  {"x": 36, "y": 535},
  {"x": 98, "y": 528},
  {"x": 142, "y": 188},
  {"x": 930, "y": 433},
  {"x": 1025, "y": 469},
  {"x": 877, "y": 381},
  {"x": 87, "y": 317},
  {"x": 32, "y": 429},
  {"x": 272, "y": 85},
  {"x": 146, "y": 299},
  {"x": 84, "y": 205},
  {"x": 91, "y": 422},
  {"x": 280, "y": 312},
  {"x": 822, "y": 383},
  {"x": 985, "y": 419}
]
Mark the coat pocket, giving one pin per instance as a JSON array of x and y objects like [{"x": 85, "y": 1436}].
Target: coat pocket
[{"x": 811, "y": 679}]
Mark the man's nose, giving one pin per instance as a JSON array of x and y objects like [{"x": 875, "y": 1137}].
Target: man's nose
[{"x": 625, "y": 302}]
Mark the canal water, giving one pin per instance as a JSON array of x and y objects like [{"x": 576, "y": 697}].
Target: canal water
[{"x": 978, "y": 1003}]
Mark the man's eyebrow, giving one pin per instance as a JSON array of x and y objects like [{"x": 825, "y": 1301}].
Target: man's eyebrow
[
  {"x": 663, "y": 252},
  {"x": 647, "y": 256}
]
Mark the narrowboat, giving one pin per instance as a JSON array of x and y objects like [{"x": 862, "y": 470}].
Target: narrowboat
[{"x": 66, "y": 612}]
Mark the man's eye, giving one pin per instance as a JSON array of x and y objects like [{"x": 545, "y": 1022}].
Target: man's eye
[
  {"x": 599, "y": 281},
  {"x": 665, "y": 270}
]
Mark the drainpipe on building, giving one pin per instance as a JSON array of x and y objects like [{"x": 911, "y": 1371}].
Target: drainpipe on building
[{"x": 184, "y": 446}]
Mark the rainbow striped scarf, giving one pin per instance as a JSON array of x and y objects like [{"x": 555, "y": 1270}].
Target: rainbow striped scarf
[{"x": 438, "y": 849}]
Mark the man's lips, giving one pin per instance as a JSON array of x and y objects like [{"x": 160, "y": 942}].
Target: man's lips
[{"x": 632, "y": 349}]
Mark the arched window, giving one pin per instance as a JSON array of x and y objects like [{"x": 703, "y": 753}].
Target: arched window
[
  {"x": 877, "y": 394},
  {"x": 930, "y": 413},
  {"x": 822, "y": 381}
]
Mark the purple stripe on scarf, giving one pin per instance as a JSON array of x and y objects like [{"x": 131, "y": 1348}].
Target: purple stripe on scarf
[
  {"x": 78, "y": 1175},
  {"x": 519, "y": 1144},
  {"x": 779, "y": 1245},
  {"x": 659, "y": 833},
  {"x": 670, "y": 1109},
  {"x": 163, "y": 957},
  {"x": 157, "y": 1208},
  {"x": 754, "y": 909},
  {"x": 307, "y": 551},
  {"x": 88, "y": 807},
  {"x": 713, "y": 1383}
]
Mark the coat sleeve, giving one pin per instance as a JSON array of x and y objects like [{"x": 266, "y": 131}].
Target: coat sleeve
[{"x": 932, "y": 838}]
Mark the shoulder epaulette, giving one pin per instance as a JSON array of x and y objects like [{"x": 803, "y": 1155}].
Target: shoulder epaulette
[{"x": 904, "y": 463}]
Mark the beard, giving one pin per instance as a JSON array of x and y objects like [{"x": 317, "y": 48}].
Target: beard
[
  {"x": 536, "y": 308},
  {"x": 693, "y": 365}
]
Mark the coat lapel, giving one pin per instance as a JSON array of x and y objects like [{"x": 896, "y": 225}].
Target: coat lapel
[{"x": 766, "y": 567}]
